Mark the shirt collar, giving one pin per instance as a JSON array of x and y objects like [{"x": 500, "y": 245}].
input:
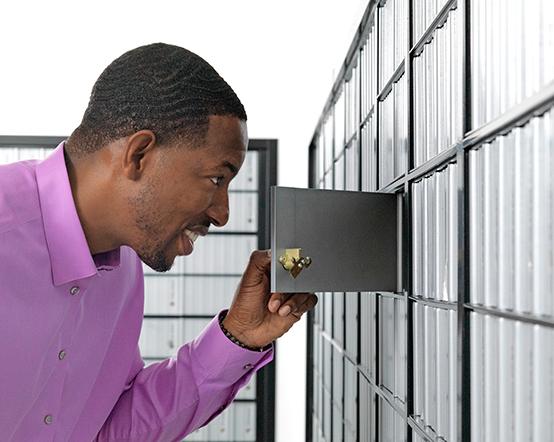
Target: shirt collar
[{"x": 70, "y": 255}]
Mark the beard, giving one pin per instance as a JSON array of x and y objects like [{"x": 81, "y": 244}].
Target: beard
[
  {"x": 151, "y": 249},
  {"x": 155, "y": 258}
]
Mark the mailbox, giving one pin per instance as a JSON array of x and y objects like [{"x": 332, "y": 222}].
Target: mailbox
[{"x": 328, "y": 240}]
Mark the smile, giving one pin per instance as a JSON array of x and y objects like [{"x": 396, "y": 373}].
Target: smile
[{"x": 193, "y": 236}]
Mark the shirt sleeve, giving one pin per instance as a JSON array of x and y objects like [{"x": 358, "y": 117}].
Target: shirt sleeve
[{"x": 167, "y": 400}]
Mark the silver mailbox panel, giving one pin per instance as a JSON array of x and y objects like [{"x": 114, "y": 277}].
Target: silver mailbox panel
[{"x": 350, "y": 236}]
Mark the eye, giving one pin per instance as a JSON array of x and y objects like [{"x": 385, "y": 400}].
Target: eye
[{"x": 217, "y": 180}]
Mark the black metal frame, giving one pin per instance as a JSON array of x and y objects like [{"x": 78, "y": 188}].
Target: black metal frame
[
  {"x": 458, "y": 152},
  {"x": 265, "y": 382},
  {"x": 23, "y": 141},
  {"x": 267, "y": 175}
]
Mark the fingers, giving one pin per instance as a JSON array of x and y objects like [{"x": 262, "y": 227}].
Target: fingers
[
  {"x": 296, "y": 304},
  {"x": 307, "y": 305},
  {"x": 276, "y": 300},
  {"x": 258, "y": 268}
]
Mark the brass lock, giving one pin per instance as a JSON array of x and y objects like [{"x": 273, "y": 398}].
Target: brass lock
[{"x": 293, "y": 262}]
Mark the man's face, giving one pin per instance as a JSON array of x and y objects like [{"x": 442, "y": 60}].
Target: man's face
[{"x": 185, "y": 192}]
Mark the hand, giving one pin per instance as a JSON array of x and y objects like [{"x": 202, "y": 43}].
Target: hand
[{"x": 256, "y": 316}]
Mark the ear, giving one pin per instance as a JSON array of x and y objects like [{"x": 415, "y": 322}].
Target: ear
[{"x": 137, "y": 153}]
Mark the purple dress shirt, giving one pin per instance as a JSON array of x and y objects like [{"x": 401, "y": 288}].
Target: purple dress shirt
[{"x": 70, "y": 368}]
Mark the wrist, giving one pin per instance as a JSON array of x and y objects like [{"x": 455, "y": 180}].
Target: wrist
[{"x": 238, "y": 337}]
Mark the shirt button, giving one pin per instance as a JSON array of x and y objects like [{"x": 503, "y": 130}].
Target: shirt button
[
  {"x": 74, "y": 290},
  {"x": 48, "y": 419},
  {"x": 61, "y": 355},
  {"x": 248, "y": 366}
]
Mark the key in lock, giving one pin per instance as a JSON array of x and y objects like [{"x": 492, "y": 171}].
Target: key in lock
[{"x": 293, "y": 262}]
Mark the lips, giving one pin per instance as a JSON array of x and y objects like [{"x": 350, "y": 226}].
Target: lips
[
  {"x": 186, "y": 242},
  {"x": 188, "y": 237}
]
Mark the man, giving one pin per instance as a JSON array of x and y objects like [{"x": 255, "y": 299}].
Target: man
[{"x": 146, "y": 172}]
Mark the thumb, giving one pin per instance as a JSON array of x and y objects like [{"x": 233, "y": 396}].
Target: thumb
[{"x": 258, "y": 269}]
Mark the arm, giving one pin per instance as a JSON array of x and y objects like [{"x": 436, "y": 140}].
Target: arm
[
  {"x": 167, "y": 400},
  {"x": 170, "y": 399}
]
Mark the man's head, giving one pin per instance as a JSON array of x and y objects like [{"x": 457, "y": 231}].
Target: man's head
[{"x": 152, "y": 159}]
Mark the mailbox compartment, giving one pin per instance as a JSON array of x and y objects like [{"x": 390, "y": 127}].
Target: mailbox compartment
[{"x": 350, "y": 237}]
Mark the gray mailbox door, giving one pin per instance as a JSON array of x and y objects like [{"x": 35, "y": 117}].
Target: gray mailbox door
[{"x": 351, "y": 238}]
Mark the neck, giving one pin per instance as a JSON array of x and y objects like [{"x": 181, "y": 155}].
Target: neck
[{"x": 93, "y": 208}]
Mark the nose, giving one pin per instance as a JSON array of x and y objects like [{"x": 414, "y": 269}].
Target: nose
[{"x": 219, "y": 209}]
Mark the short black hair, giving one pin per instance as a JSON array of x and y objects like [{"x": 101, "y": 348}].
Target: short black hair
[{"x": 165, "y": 88}]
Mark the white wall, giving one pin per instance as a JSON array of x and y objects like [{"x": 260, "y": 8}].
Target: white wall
[{"x": 280, "y": 57}]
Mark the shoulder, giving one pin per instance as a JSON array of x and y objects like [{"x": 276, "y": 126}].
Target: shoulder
[{"x": 19, "y": 201}]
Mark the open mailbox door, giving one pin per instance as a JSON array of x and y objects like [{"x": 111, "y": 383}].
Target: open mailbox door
[{"x": 328, "y": 240}]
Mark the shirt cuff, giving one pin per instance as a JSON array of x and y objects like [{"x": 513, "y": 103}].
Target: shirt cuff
[{"x": 222, "y": 358}]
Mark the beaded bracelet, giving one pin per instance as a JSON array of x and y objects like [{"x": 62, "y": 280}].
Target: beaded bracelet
[{"x": 235, "y": 340}]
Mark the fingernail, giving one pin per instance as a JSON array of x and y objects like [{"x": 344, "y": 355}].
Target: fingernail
[
  {"x": 274, "y": 305},
  {"x": 285, "y": 310}
]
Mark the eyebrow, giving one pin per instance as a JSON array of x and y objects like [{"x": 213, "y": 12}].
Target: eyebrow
[{"x": 234, "y": 169}]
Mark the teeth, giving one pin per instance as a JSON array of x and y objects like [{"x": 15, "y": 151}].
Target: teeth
[{"x": 192, "y": 236}]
